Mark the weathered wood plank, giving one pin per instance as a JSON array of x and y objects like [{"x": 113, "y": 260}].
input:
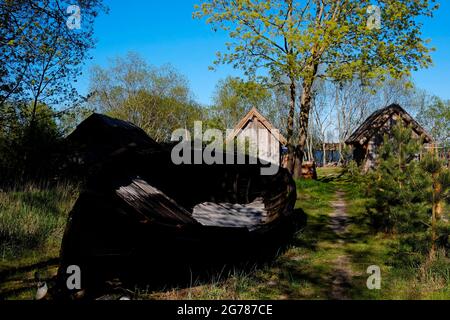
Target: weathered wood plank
[
  {"x": 249, "y": 216},
  {"x": 153, "y": 203}
]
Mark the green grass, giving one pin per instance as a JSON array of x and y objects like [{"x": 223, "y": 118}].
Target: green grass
[
  {"x": 307, "y": 269},
  {"x": 400, "y": 282},
  {"x": 32, "y": 224}
]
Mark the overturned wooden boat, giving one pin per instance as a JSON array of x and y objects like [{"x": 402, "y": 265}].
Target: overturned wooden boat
[{"x": 143, "y": 219}]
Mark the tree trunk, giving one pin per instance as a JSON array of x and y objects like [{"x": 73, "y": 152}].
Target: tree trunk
[
  {"x": 290, "y": 127},
  {"x": 341, "y": 153},
  {"x": 34, "y": 111},
  {"x": 306, "y": 101},
  {"x": 29, "y": 169},
  {"x": 439, "y": 204},
  {"x": 434, "y": 219},
  {"x": 311, "y": 148}
]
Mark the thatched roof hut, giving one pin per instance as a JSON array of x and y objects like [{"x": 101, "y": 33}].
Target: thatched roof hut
[{"x": 370, "y": 135}]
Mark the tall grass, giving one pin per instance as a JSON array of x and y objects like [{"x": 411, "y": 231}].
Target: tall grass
[{"x": 33, "y": 218}]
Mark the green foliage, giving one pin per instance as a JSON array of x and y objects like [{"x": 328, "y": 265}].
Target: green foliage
[
  {"x": 28, "y": 150},
  {"x": 411, "y": 249},
  {"x": 42, "y": 57},
  {"x": 41, "y": 61},
  {"x": 397, "y": 185},
  {"x": 296, "y": 42},
  {"x": 69, "y": 119},
  {"x": 440, "y": 176},
  {"x": 235, "y": 97},
  {"x": 288, "y": 37},
  {"x": 353, "y": 171},
  {"x": 405, "y": 193},
  {"x": 157, "y": 99},
  {"x": 436, "y": 118},
  {"x": 443, "y": 232},
  {"x": 438, "y": 193},
  {"x": 33, "y": 218}
]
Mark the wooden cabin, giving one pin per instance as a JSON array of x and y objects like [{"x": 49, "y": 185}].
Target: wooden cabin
[
  {"x": 267, "y": 150},
  {"x": 370, "y": 135}
]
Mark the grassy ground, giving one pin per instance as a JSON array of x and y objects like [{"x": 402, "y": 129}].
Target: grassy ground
[
  {"x": 32, "y": 222},
  {"x": 309, "y": 269}
]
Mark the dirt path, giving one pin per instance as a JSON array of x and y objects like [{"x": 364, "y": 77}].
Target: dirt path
[
  {"x": 339, "y": 216},
  {"x": 342, "y": 270}
]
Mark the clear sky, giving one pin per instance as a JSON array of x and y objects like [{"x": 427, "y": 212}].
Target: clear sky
[{"x": 165, "y": 32}]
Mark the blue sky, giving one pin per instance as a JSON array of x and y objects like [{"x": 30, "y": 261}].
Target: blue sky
[{"x": 164, "y": 32}]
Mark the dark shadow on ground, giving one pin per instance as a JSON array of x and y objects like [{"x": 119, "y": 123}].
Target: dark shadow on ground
[
  {"x": 4, "y": 274},
  {"x": 18, "y": 281},
  {"x": 179, "y": 276}
]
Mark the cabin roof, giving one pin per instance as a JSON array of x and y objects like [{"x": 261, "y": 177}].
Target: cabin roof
[
  {"x": 377, "y": 120},
  {"x": 254, "y": 113}
]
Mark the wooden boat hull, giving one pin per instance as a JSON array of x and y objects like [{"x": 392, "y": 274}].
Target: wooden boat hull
[{"x": 134, "y": 220}]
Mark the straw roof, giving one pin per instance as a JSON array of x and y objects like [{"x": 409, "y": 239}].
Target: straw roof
[{"x": 378, "y": 119}]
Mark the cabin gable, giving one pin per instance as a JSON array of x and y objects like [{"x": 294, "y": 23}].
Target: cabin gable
[
  {"x": 367, "y": 139},
  {"x": 268, "y": 144}
]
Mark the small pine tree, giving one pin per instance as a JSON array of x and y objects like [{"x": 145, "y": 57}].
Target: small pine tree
[
  {"x": 438, "y": 192},
  {"x": 396, "y": 186},
  {"x": 354, "y": 172},
  {"x": 407, "y": 197}
]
